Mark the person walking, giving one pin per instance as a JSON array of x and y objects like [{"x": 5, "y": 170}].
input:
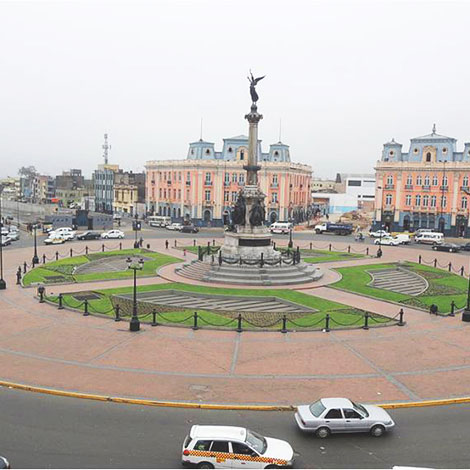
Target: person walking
[{"x": 166, "y": 244}]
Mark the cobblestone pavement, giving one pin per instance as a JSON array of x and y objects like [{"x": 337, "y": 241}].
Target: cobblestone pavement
[{"x": 427, "y": 358}]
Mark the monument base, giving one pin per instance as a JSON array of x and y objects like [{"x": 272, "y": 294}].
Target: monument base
[{"x": 249, "y": 243}]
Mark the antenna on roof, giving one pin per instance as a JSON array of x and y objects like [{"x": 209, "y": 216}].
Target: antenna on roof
[
  {"x": 106, "y": 147},
  {"x": 434, "y": 128},
  {"x": 280, "y": 129},
  {"x": 200, "y": 135}
]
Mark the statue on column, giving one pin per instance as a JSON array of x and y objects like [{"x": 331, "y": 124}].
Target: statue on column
[
  {"x": 257, "y": 213},
  {"x": 239, "y": 211},
  {"x": 253, "y": 82}
]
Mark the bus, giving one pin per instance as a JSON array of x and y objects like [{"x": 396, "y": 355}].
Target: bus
[{"x": 158, "y": 220}]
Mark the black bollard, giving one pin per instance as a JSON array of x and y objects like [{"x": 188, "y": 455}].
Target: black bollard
[
  {"x": 239, "y": 323},
  {"x": 102, "y": 247},
  {"x": 401, "y": 322},
  {"x": 310, "y": 245},
  {"x": 419, "y": 259},
  {"x": 43, "y": 259},
  {"x": 175, "y": 244},
  {"x": 262, "y": 260},
  {"x": 194, "y": 242},
  {"x": 120, "y": 246},
  {"x": 24, "y": 267},
  {"x": 327, "y": 322},
  {"x": 367, "y": 251},
  {"x": 329, "y": 247},
  {"x": 274, "y": 245},
  {"x": 41, "y": 291},
  {"x": 220, "y": 257},
  {"x": 284, "y": 324},
  {"x": 450, "y": 266},
  {"x": 452, "y": 309},
  {"x": 86, "y": 250},
  {"x": 366, "y": 321},
  {"x": 462, "y": 270},
  {"x": 85, "y": 308},
  {"x": 195, "y": 327},
  {"x": 154, "y": 318},
  {"x": 213, "y": 242},
  {"x": 57, "y": 256},
  {"x": 349, "y": 248},
  {"x": 71, "y": 252},
  {"x": 435, "y": 262},
  {"x": 60, "y": 302},
  {"x": 117, "y": 317},
  {"x": 18, "y": 275}
]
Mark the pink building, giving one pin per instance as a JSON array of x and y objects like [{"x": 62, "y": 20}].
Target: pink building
[{"x": 204, "y": 186}]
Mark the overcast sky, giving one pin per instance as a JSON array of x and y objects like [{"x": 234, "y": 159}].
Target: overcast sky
[{"x": 344, "y": 77}]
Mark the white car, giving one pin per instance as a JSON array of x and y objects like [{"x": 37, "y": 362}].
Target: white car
[
  {"x": 66, "y": 232},
  {"x": 387, "y": 241},
  {"x": 5, "y": 241},
  {"x": 13, "y": 235},
  {"x": 112, "y": 234},
  {"x": 379, "y": 233},
  {"x": 174, "y": 226},
  {"x": 55, "y": 240},
  {"x": 336, "y": 415},
  {"x": 234, "y": 447}
]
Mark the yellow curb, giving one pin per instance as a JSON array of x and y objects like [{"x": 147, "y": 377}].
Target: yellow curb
[{"x": 211, "y": 406}]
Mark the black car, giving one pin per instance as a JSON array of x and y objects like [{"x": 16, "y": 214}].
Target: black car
[
  {"x": 189, "y": 229},
  {"x": 465, "y": 247},
  {"x": 89, "y": 235},
  {"x": 450, "y": 247}
]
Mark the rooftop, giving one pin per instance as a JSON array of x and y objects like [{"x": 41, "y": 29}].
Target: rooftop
[{"x": 208, "y": 432}]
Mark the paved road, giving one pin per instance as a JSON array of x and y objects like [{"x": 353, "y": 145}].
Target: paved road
[{"x": 54, "y": 432}]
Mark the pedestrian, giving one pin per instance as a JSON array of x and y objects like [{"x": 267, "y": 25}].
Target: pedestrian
[
  {"x": 141, "y": 242},
  {"x": 166, "y": 244},
  {"x": 184, "y": 252}
]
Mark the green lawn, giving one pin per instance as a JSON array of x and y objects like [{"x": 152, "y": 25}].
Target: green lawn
[
  {"x": 64, "y": 267},
  {"x": 340, "y": 315},
  {"x": 443, "y": 286}
]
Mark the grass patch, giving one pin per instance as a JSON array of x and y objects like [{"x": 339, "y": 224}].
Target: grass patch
[
  {"x": 340, "y": 315},
  {"x": 65, "y": 267},
  {"x": 444, "y": 287}
]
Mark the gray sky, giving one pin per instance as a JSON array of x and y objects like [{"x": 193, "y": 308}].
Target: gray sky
[{"x": 344, "y": 77}]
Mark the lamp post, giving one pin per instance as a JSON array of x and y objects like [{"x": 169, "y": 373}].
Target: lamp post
[
  {"x": 382, "y": 225},
  {"x": 3, "y": 284},
  {"x": 35, "y": 256},
  {"x": 136, "y": 243},
  {"x": 135, "y": 266},
  {"x": 291, "y": 243}
]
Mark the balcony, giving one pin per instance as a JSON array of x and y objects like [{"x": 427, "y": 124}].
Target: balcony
[
  {"x": 188, "y": 183},
  {"x": 444, "y": 188},
  {"x": 389, "y": 186},
  {"x": 207, "y": 183},
  {"x": 464, "y": 189},
  {"x": 426, "y": 187},
  {"x": 409, "y": 187}
]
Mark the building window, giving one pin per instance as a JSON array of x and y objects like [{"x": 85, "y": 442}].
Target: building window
[
  {"x": 443, "y": 201},
  {"x": 409, "y": 180},
  {"x": 226, "y": 196},
  {"x": 428, "y": 157},
  {"x": 207, "y": 195},
  {"x": 187, "y": 194},
  {"x": 389, "y": 180},
  {"x": 465, "y": 181},
  {"x": 234, "y": 177},
  {"x": 274, "y": 196},
  {"x": 179, "y": 194},
  {"x": 417, "y": 200},
  {"x": 391, "y": 153},
  {"x": 192, "y": 151},
  {"x": 425, "y": 200},
  {"x": 208, "y": 177},
  {"x": 419, "y": 181},
  {"x": 188, "y": 176},
  {"x": 388, "y": 199},
  {"x": 444, "y": 181},
  {"x": 464, "y": 202},
  {"x": 444, "y": 150},
  {"x": 426, "y": 180},
  {"x": 241, "y": 178},
  {"x": 275, "y": 179},
  {"x": 230, "y": 150},
  {"x": 227, "y": 178},
  {"x": 408, "y": 200},
  {"x": 174, "y": 193},
  {"x": 433, "y": 201},
  {"x": 434, "y": 180},
  {"x": 242, "y": 155},
  {"x": 179, "y": 175},
  {"x": 276, "y": 153},
  {"x": 234, "y": 196},
  {"x": 208, "y": 152},
  {"x": 415, "y": 150}
]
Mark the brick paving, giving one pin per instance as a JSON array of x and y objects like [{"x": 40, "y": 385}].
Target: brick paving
[{"x": 43, "y": 346}]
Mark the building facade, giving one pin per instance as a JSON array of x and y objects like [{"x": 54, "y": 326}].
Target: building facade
[
  {"x": 359, "y": 185},
  {"x": 426, "y": 187},
  {"x": 103, "y": 184},
  {"x": 204, "y": 187},
  {"x": 129, "y": 192},
  {"x": 43, "y": 189}
]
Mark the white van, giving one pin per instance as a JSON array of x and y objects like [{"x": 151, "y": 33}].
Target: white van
[
  {"x": 280, "y": 227},
  {"x": 431, "y": 238},
  {"x": 158, "y": 220}
]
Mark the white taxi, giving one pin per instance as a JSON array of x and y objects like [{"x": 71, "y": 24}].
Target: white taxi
[{"x": 234, "y": 447}]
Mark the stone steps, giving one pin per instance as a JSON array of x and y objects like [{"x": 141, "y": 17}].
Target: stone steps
[{"x": 399, "y": 280}]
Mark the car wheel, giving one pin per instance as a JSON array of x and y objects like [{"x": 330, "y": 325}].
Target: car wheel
[
  {"x": 451, "y": 250},
  {"x": 205, "y": 465},
  {"x": 377, "y": 430},
  {"x": 322, "y": 432},
  {"x": 434, "y": 248}
]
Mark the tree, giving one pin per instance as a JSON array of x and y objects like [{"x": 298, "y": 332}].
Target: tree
[{"x": 27, "y": 172}]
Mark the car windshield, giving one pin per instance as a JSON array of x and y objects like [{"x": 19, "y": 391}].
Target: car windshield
[
  {"x": 256, "y": 441},
  {"x": 317, "y": 408},
  {"x": 360, "y": 409}
]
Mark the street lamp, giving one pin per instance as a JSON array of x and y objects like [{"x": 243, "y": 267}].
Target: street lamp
[
  {"x": 35, "y": 257},
  {"x": 3, "y": 284},
  {"x": 135, "y": 266},
  {"x": 136, "y": 227}
]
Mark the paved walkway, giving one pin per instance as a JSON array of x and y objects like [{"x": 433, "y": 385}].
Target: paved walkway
[{"x": 427, "y": 358}]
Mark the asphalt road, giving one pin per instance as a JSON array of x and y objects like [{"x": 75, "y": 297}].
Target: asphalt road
[{"x": 41, "y": 431}]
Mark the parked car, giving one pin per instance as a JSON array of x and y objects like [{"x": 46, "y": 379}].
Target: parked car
[
  {"x": 4, "y": 240},
  {"x": 281, "y": 227},
  {"x": 379, "y": 233},
  {"x": 431, "y": 238},
  {"x": 335, "y": 415},
  {"x": 403, "y": 238},
  {"x": 54, "y": 240},
  {"x": 465, "y": 247},
  {"x": 174, "y": 226},
  {"x": 112, "y": 234},
  {"x": 4, "y": 462},
  {"x": 13, "y": 236},
  {"x": 89, "y": 235},
  {"x": 449, "y": 247},
  {"x": 189, "y": 229},
  {"x": 234, "y": 447},
  {"x": 386, "y": 241},
  {"x": 66, "y": 232}
]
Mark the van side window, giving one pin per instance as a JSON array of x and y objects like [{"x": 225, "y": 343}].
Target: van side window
[
  {"x": 219, "y": 446},
  {"x": 202, "y": 445}
]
